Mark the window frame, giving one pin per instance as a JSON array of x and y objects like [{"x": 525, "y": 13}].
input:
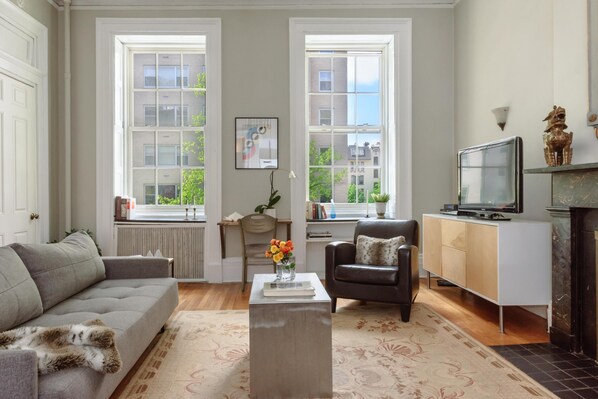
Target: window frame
[
  {"x": 400, "y": 29},
  {"x": 111, "y": 34},
  {"x": 355, "y": 152},
  {"x": 178, "y": 127}
]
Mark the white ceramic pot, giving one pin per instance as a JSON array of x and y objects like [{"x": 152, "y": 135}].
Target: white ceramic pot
[
  {"x": 270, "y": 212},
  {"x": 380, "y": 209}
]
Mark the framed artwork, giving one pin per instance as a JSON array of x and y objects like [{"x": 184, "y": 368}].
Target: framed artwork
[{"x": 256, "y": 143}]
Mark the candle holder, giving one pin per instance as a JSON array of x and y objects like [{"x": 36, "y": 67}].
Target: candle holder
[
  {"x": 187, "y": 213},
  {"x": 194, "y": 210}
]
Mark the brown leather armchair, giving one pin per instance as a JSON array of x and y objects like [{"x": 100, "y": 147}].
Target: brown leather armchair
[{"x": 395, "y": 284}]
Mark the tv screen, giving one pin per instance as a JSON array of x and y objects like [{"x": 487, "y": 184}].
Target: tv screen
[{"x": 491, "y": 176}]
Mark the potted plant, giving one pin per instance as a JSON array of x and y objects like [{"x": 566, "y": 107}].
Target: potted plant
[
  {"x": 380, "y": 199},
  {"x": 268, "y": 208}
]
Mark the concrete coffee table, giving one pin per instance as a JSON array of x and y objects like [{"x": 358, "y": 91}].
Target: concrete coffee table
[{"x": 290, "y": 342}]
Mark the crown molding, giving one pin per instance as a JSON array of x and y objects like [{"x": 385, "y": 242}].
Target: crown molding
[{"x": 249, "y": 4}]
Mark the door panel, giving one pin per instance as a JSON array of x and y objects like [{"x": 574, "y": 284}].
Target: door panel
[{"x": 18, "y": 162}]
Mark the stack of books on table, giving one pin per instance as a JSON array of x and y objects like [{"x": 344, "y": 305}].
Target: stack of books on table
[{"x": 289, "y": 288}]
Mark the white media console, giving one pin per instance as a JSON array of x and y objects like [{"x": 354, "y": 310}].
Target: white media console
[{"x": 506, "y": 262}]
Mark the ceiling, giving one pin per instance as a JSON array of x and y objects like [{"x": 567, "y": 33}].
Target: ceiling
[{"x": 224, "y": 4}]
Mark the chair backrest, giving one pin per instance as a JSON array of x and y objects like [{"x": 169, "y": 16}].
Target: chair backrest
[
  {"x": 259, "y": 224},
  {"x": 386, "y": 228}
]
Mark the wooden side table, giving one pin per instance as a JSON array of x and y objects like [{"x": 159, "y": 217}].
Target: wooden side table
[{"x": 224, "y": 223}]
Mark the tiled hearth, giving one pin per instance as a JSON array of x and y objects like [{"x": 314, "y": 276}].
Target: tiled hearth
[{"x": 567, "y": 375}]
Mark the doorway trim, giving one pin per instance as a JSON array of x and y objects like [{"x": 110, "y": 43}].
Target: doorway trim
[{"x": 27, "y": 61}]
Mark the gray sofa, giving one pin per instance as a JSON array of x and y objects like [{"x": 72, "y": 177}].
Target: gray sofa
[{"x": 68, "y": 283}]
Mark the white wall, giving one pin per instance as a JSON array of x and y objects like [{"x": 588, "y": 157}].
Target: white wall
[
  {"x": 504, "y": 57},
  {"x": 571, "y": 74}
]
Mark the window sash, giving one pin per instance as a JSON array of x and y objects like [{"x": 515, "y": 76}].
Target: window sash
[
  {"x": 359, "y": 167},
  {"x": 161, "y": 159}
]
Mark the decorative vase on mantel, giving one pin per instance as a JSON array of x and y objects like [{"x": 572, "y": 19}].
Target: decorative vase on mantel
[{"x": 380, "y": 209}]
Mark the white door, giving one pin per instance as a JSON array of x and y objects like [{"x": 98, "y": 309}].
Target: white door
[{"x": 18, "y": 162}]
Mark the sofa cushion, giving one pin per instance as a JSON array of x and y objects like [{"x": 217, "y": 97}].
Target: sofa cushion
[
  {"x": 367, "y": 274},
  {"x": 64, "y": 269},
  {"x": 135, "y": 308},
  {"x": 18, "y": 294},
  {"x": 378, "y": 251}
]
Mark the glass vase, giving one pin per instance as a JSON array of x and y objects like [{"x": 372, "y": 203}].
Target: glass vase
[{"x": 285, "y": 271}]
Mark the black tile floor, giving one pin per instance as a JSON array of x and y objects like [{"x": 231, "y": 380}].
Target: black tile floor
[{"x": 567, "y": 375}]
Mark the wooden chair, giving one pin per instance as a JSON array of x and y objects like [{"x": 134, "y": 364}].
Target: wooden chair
[{"x": 255, "y": 238}]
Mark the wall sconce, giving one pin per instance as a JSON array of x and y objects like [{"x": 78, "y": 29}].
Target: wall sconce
[{"x": 500, "y": 114}]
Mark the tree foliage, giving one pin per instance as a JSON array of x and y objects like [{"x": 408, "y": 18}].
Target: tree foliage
[
  {"x": 320, "y": 179},
  {"x": 192, "y": 190}
]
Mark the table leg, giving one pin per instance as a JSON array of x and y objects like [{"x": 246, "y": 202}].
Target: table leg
[{"x": 222, "y": 241}]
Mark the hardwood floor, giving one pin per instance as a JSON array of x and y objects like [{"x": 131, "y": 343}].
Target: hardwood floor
[{"x": 474, "y": 315}]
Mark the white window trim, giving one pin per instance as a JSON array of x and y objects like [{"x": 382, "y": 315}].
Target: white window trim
[
  {"x": 106, "y": 31},
  {"x": 401, "y": 29},
  {"x": 33, "y": 71}
]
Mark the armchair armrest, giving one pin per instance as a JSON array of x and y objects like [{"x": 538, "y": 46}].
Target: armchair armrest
[
  {"x": 125, "y": 267},
  {"x": 409, "y": 269},
  {"x": 18, "y": 374},
  {"x": 338, "y": 253}
]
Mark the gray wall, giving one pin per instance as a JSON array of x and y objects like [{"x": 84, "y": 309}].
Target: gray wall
[{"x": 255, "y": 76}]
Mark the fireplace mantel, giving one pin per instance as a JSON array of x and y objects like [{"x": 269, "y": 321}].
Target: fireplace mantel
[
  {"x": 573, "y": 210},
  {"x": 563, "y": 168}
]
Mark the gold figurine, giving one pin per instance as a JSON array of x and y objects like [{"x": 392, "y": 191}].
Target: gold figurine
[{"x": 557, "y": 142}]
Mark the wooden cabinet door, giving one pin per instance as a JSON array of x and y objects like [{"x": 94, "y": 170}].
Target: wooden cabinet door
[
  {"x": 454, "y": 265},
  {"x": 454, "y": 234},
  {"x": 482, "y": 258},
  {"x": 432, "y": 245}
]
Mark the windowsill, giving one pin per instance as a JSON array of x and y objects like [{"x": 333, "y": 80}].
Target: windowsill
[{"x": 170, "y": 218}]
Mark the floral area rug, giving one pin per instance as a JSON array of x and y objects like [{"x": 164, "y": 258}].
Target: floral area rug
[{"x": 205, "y": 354}]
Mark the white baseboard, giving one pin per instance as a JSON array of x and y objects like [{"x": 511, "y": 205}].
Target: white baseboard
[{"x": 232, "y": 270}]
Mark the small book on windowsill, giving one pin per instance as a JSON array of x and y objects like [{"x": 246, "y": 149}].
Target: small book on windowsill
[{"x": 290, "y": 288}]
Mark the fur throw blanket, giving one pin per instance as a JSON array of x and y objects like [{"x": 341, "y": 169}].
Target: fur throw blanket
[{"x": 89, "y": 344}]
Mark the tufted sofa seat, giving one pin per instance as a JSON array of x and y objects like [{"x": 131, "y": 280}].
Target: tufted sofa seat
[{"x": 136, "y": 307}]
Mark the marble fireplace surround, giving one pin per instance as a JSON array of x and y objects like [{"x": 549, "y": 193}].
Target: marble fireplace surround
[{"x": 574, "y": 212}]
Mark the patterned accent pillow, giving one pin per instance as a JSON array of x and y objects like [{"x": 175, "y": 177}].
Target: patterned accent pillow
[{"x": 378, "y": 251}]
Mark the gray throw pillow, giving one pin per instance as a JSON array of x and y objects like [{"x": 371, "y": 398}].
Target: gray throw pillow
[
  {"x": 378, "y": 251},
  {"x": 19, "y": 297},
  {"x": 64, "y": 269}
]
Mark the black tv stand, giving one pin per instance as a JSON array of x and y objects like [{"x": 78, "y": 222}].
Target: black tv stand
[{"x": 484, "y": 215}]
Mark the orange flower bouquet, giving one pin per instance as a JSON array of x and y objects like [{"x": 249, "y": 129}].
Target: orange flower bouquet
[{"x": 281, "y": 252}]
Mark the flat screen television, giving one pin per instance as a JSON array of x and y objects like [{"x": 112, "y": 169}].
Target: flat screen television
[{"x": 491, "y": 177}]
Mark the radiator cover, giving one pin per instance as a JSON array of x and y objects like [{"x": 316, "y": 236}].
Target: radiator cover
[{"x": 185, "y": 244}]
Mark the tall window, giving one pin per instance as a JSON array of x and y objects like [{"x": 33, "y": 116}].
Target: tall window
[
  {"x": 166, "y": 121},
  {"x": 357, "y": 126}
]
